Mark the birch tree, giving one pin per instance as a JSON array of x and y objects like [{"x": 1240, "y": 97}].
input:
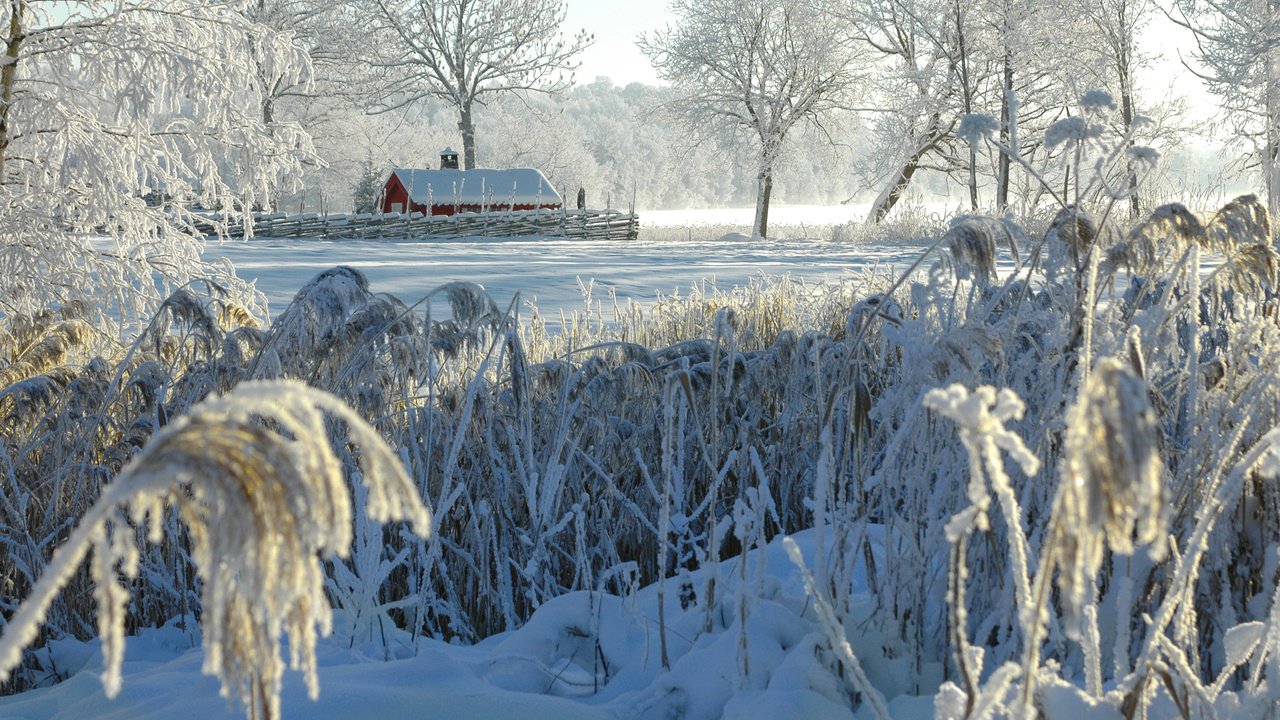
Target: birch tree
[
  {"x": 757, "y": 68},
  {"x": 463, "y": 51},
  {"x": 116, "y": 119}
]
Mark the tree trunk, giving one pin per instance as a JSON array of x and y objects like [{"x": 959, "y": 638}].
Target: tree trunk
[
  {"x": 9, "y": 75},
  {"x": 883, "y": 204},
  {"x": 467, "y": 125},
  {"x": 764, "y": 189},
  {"x": 893, "y": 193},
  {"x": 1272, "y": 149},
  {"x": 1007, "y": 134},
  {"x": 1126, "y": 114},
  {"x": 270, "y": 203},
  {"x": 1124, "y": 71},
  {"x": 967, "y": 91}
]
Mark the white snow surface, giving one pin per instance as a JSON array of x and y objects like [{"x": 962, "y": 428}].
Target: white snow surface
[
  {"x": 553, "y": 273},
  {"x": 552, "y": 667},
  {"x": 549, "y": 273}
]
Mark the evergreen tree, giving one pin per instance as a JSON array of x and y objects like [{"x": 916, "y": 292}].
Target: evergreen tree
[{"x": 364, "y": 196}]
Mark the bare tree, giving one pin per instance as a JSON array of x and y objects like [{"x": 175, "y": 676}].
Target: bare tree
[
  {"x": 464, "y": 50},
  {"x": 755, "y": 67},
  {"x": 332, "y": 36},
  {"x": 1027, "y": 46},
  {"x": 1112, "y": 38},
  {"x": 1238, "y": 57},
  {"x": 922, "y": 84}
]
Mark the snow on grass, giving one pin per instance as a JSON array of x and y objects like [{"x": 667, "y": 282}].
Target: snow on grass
[
  {"x": 649, "y": 445},
  {"x": 581, "y": 656}
]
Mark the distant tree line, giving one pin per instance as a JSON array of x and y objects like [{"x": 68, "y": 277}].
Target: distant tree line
[
  {"x": 793, "y": 100},
  {"x": 615, "y": 142}
]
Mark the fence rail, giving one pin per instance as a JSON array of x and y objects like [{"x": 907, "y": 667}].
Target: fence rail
[{"x": 573, "y": 224}]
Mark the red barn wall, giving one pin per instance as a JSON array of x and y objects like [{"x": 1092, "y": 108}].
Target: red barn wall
[{"x": 395, "y": 193}]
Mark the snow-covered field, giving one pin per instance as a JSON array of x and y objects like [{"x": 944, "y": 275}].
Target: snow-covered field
[{"x": 552, "y": 273}]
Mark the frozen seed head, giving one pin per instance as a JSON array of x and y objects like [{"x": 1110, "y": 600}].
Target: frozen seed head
[
  {"x": 471, "y": 305},
  {"x": 262, "y": 510},
  {"x": 983, "y": 413},
  {"x": 1076, "y": 231},
  {"x": 1159, "y": 239},
  {"x": 1070, "y": 130},
  {"x": 1242, "y": 221},
  {"x": 1253, "y": 265},
  {"x": 264, "y": 498},
  {"x": 1144, "y": 155},
  {"x": 973, "y": 245},
  {"x": 59, "y": 344},
  {"x": 1096, "y": 101},
  {"x": 184, "y": 306},
  {"x": 1111, "y": 474},
  {"x": 975, "y": 127},
  {"x": 318, "y": 314}
]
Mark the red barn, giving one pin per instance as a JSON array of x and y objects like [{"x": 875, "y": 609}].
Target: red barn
[{"x": 449, "y": 191}]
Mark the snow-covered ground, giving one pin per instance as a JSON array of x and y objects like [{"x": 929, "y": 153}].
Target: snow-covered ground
[
  {"x": 552, "y": 273},
  {"x": 547, "y": 272},
  {"x": 582, "y": 656}
]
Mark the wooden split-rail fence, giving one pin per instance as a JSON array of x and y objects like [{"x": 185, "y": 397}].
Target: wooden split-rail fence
[{"x": 572, "y": 224}]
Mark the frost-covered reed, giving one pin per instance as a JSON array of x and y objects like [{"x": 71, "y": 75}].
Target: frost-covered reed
[{"x": 1136, "y": 396}]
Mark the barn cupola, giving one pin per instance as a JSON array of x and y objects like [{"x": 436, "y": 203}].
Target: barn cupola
[{"x": 448, "y": 159}]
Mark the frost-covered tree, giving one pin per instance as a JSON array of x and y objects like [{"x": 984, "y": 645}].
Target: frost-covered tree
[
  {"x": 116, "y": 120},
  {"x": 1112, "y": 36},
  {"x": 364, "y": 196},
  {"x": 758, "y": 68},
  {"x": 335, "y": 39},
  {"x": 1027, "y": 44},
  {"x": 917, "y": 92},
  {"x": 331, "y": 36},
  {"x": 463, "y": 51},
  {"x": 1237, "y": 55}
]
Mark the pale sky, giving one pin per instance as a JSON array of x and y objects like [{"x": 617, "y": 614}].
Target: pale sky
[{"x": 615, "y": 24}]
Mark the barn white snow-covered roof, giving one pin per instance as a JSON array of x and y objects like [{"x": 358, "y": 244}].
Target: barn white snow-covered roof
[{"x": 481, "y": 186}]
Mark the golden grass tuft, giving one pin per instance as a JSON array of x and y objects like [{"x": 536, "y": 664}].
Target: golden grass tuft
[
  {"x": 257, "y": 483},
  {"x": 1112, "y": 489}
]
